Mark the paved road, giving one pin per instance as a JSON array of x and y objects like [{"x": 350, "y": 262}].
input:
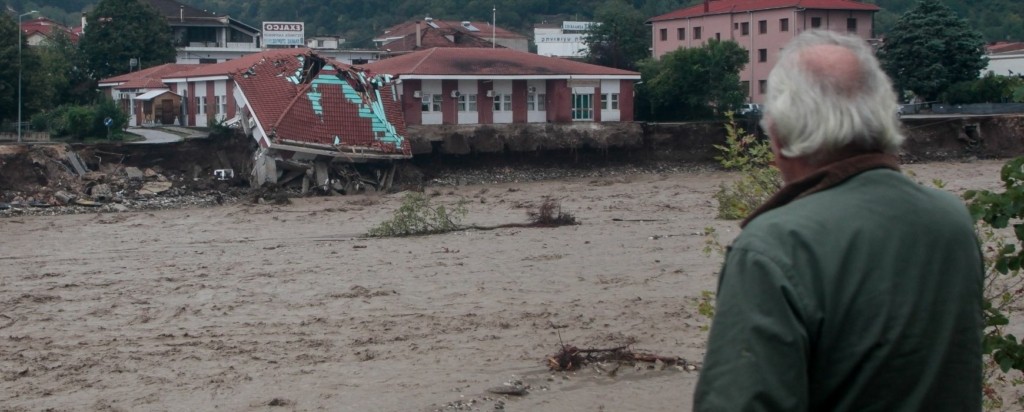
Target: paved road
[{"x": 154, "y": 136}]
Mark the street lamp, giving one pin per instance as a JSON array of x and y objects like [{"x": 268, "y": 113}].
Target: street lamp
[{"x": 20, "y": 70}]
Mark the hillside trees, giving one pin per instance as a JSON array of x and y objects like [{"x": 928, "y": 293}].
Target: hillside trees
[
  {"x": 929, "y": 49},
  {"x": 621, "y": 39},
  {"x": 119, "y": 30},
  {"x": 694, "y": 83},
  {"x": 8, "y": 70}
]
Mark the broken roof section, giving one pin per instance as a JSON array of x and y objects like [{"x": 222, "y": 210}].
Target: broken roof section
[{"x": 302, "y": 100}]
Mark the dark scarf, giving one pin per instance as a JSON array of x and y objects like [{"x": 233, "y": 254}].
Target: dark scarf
[{"x": 824, "y": 178}]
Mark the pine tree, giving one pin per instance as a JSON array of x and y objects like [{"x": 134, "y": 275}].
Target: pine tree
[{"x": 929, "y": 49}]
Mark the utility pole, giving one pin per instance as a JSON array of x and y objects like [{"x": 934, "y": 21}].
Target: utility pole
[{"x": 494, "y": 23}]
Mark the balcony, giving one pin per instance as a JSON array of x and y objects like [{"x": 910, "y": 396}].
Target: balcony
[{"x": 220, "y": 46}]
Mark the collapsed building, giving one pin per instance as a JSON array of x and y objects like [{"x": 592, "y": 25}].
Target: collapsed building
[
  {"x": 314, "y": 121},
  {"x": 320, "y": 122}
]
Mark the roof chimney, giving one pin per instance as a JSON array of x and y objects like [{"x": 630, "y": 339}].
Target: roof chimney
[
  {"x": 419, "y": 40},
  {"x": 83, "y": 22},
  {"x": 707, "y": 5},
  {"x": 181, "y": 11}
]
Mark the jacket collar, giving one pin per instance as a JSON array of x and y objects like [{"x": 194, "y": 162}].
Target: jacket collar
[{"x": 826, "y": 177}]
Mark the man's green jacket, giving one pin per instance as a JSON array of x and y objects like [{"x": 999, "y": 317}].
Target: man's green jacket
[{"x": 855, "y": 289}]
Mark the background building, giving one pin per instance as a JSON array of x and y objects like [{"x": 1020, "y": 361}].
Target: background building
[
  {"x": 203, "y": 37},
  {"x": 763, "y": 27},
  {"x": 41, "y": 29},
  {"x": 493, "y": 86},
  {"x": 430, "y": 33}
]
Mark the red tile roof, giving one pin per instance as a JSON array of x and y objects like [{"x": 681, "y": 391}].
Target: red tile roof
[
  {"x": 334, "y": 106},
  {"x": 483, "y": 29},
  {"x": 476, "y": 62},
  {"x": 433, "y": 38},
  {"x": 743, "y": 6},
  {"x": 402, "y": 37},
  {"x": 45, "y": 27},
  {"x": 231, "y": 66},
  {"x": 147, "y": 76},
  {"x": 1004, "y": 47}
]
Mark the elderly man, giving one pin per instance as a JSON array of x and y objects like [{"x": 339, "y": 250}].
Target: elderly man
[{"x": 853, "y": 288}]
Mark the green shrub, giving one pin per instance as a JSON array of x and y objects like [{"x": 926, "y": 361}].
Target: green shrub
[
  {"x": 79, "y": 121},
  {"x": 417, "y": 216},
  {"x": 82, "y": 121},
  {"x": 759, "y": 180},
  {"x": 1004, "y": 285}
]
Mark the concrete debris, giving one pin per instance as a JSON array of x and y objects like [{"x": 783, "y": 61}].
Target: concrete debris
[
  {"x": 101, "y": 192},
  {"x": 134, "y": 173},
  {"x": 152, "y": 188},
  {"x": 64, "y": 197},
  {"x": 77, "y": 163}
]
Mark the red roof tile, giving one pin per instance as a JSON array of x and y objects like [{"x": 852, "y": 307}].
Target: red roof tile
[
  {"x": 1004, "y": 47},
  {"x": 286, "y": 103},
  {"x": 434, "y": 38},
  {"x": 484, "y": 29},
  {"x": 475, "y": 62},
  {"x": 231, "y": 66},
  {"x": 45, "y": 27},
  {"x": 743, "y": 6},
  {"x": 152, "y": 73}
]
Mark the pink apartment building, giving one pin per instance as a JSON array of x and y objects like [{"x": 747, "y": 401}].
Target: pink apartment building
[{"x": 763, "y": 27}]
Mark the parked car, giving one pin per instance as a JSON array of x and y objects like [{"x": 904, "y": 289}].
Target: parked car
[{"x": 748, "y": 108}]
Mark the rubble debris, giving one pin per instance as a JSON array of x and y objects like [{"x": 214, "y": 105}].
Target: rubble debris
[
  {"x": 152, "y": 188},
  {"x": 134, "y": 173},
  {"x": 570, "y": 358},
  {"x": 77, "y": 163}
]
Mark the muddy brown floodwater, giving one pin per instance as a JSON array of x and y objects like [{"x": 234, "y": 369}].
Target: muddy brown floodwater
[{"x": 257, "y": 307}]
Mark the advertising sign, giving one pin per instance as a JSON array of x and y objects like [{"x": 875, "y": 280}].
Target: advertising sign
[
  {"x": 284, "y": 33},
  {"x": 577, "y": 25},
  {"x": 558, "y": 38}
]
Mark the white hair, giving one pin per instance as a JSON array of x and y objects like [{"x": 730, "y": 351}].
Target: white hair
[{"x": 815, "y": 108}]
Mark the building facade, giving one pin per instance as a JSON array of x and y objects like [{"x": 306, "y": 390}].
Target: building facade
[
  {"x": 762, "y": 27},
  {"x": 203, "y": 37},
  {"x": 452, "y": 86},
  {"x": 40, "y": 30}
]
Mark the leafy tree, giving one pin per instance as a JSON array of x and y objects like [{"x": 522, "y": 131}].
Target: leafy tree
[
  {"x": 990, "y": 88},
  {"x": 119, "y": 30},
  {"x": 930, "y": 48},
  {"x": 694, "y": 83},
  {"x": 9, "y": 69},
  {"x": 621, "y": 39}
]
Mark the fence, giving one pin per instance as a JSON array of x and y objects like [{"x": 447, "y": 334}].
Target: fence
[
  {"x": 977, "y": 108},
  {"x": 25, "y": 137}
]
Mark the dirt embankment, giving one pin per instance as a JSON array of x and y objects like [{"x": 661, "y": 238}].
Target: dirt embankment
[{"x": 57, "y": 179}]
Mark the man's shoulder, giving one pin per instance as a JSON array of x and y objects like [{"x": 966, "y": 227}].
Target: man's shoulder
[{"x": 876, "y": 197}]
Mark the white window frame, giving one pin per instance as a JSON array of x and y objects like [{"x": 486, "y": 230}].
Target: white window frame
[
  {"x": 503, "y": 102},
  {"x": 467, "y": 100},
  {"x": 610, "y": 101},
  {"x": 430, "y": 103},
  {"x": 200, "y": 104}
]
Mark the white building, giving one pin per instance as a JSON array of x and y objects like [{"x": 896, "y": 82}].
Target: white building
[
  {"x": 561, "y": 40},
  {"x": 203, "y": 37}
]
